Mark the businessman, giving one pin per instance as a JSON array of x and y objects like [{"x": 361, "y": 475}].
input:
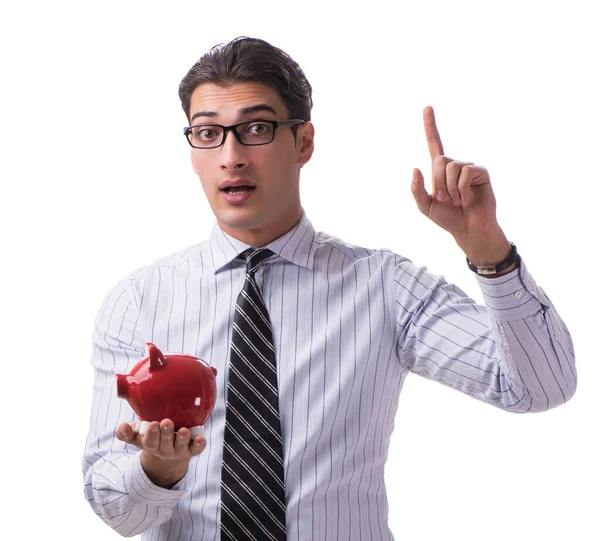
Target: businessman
[{"x": 312, "y": 337}]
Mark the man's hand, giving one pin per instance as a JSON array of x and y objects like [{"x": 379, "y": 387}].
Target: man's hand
[
  {"x": 461, "y": 202},
  {"x": 165, "y": 454}
]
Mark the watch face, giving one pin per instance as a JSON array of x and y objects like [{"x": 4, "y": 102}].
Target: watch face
[{"x": 485, "y": 270}]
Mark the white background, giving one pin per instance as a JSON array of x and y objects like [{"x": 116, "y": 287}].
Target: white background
[{"x": 96, "y": 181}]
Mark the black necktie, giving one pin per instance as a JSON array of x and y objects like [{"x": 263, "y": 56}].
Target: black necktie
[{"x": 252, "y": 486}]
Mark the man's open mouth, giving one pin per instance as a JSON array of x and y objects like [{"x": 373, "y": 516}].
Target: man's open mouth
[{"x": 233, "y": 190}]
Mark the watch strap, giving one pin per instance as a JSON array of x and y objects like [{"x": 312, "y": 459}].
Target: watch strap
[{"x": 490, "y": 270}]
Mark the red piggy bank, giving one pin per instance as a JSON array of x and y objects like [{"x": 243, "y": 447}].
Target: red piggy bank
[{"x": 172, "y": 386}]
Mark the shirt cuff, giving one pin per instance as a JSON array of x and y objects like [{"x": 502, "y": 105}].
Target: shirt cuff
[
  {"x": 145, "y": 491},
  {"x": 512, "y": 296}
]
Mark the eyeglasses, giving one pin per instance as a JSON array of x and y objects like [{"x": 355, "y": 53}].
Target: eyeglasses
[{"x": 251, "y": 133}]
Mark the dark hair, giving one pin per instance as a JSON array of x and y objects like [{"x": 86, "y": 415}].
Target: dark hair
[{"x": 251, "y": 60}]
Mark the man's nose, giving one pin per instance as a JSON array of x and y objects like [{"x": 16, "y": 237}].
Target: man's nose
[{"x": 233, "y": 153}]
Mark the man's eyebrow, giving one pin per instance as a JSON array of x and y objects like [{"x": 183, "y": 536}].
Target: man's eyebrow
[
  {"x": 256, "y": 108},
  {"x": 242, "y": 112},
  {"x": 203, "y": 113}
]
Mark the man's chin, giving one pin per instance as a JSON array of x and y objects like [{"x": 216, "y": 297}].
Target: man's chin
[
  {"x": 238, "y": 219},
  {"x": 239, "y": 226},
  {"x": 254, "y": 227}
]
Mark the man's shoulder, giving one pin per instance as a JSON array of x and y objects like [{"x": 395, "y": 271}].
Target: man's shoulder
[
  {"x": 351, "y": 251},
  {"x": 185, "y": 259}
]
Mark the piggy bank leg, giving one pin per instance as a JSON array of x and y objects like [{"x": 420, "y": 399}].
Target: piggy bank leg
[
  {"x": 143, "y": 427},
  {"x": 197, "y": 431}
]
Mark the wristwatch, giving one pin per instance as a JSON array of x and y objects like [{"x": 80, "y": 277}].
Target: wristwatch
[{"x": 489, "y": 270}]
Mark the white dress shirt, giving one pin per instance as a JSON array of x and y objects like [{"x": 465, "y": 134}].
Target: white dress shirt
[{"x": 349, "y": 324}]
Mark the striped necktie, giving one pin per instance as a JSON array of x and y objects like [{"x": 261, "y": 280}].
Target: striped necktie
[{"x": 252, "y": 485}]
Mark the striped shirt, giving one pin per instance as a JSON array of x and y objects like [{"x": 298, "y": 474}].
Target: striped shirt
[{"x": 349, "y": 324}]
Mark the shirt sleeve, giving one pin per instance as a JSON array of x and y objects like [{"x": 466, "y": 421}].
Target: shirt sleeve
[
  {"x": 514, "y": 353},
  {"x": 116, "y": 485}
]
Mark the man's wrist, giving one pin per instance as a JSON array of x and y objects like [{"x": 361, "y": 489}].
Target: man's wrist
[
  {"x": 489, "y": 249},
  {"x": 163, "y": 473}
]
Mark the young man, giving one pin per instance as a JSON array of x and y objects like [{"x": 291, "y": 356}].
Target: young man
[{"x": 344, "y": 326}]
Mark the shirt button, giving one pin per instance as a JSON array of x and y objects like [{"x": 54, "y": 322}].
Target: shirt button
[
  {"x": 518, "y": 294},
  {"x": 530, "y": 286}
]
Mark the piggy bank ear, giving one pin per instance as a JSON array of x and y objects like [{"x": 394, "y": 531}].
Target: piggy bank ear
[
  {"x": 214, "y": 370},
  {"x": 157, "y": 359}
]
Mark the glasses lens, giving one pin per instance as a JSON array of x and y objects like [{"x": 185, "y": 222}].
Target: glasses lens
[
  {"x": 205, "y": 136},
  {"x": 255, "y": 132}
]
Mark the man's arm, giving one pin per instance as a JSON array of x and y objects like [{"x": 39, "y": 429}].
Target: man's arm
[
  {"x": 516, "y": 352},
  {"x": 125, "y": 485}
]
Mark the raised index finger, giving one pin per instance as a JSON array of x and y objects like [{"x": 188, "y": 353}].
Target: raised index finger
[{"x": 431, "y": 132}]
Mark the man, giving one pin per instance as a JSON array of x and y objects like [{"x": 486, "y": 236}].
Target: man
[{"x": 347, "y": 325}]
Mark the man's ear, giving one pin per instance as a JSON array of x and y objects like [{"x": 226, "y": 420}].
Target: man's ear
[{"x": 305, "y": 142}]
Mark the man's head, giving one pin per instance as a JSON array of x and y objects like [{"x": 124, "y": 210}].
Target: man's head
[
  {"x": 246, "y": 80},
  {"x": 251, "y": 60}
]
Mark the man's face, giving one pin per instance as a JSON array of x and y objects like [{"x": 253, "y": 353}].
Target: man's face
[{"x": 272, "y": 206}]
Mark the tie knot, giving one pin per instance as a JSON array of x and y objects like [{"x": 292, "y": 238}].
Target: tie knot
[{"x": 255, "y": 257}]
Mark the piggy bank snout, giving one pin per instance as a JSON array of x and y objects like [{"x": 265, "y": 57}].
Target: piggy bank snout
[{"x": 122, "y": 386}]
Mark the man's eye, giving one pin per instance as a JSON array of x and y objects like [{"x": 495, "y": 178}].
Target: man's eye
[
  {"x": 205, "y": 134},
  {"x": 258, "y": 128}
]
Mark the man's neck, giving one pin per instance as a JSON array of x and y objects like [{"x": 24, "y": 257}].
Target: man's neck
[{"x": 260, "y": 237}]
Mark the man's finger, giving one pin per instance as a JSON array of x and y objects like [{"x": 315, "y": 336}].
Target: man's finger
[
  {"x": 151, "y": 439},
  {"x": 454, "y": 171},
  {"x": 167, "y": 431},
  {"x": 431, "y": 132},
  {"x": 126, "y": 433},
  {"x": 182, "y": 440},
  {"x": 471, "y": 175},
  {"x": 439, "y": 183},
  {"x": 422, "y": 198},
  {"x": 197, "y": 445}
]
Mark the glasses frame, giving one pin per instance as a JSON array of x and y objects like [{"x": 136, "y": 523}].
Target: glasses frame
[{"x": 275, "y": 123}]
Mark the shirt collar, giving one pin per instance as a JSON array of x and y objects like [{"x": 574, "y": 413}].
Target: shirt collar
[{"x": 296, "y": 246}]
